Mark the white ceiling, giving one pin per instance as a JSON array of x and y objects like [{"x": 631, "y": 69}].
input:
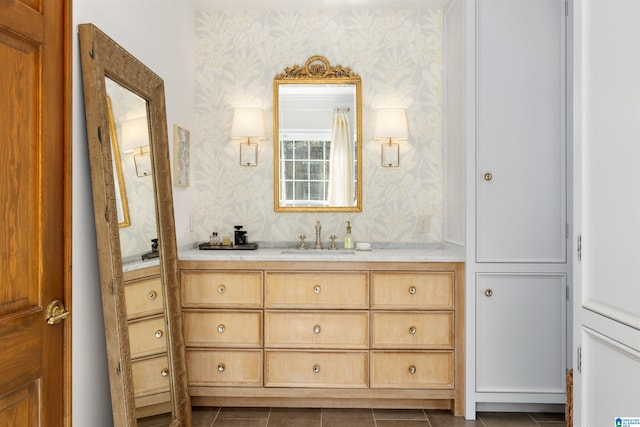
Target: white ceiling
[{"x": 316, "y": 4}]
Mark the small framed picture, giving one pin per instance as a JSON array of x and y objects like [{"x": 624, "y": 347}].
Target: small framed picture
[{"x": 181, "y": 156}]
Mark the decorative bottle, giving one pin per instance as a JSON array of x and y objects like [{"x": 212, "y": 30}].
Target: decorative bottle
[{"x": 348, "y": 242}]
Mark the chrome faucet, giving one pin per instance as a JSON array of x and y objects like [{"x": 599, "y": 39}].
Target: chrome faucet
[{"x": 318, "y": 243}]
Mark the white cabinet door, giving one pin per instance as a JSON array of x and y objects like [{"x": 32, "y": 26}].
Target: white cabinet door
[
  {"x": 521, "y": 143},
  {"x": 520, "y": 331}
]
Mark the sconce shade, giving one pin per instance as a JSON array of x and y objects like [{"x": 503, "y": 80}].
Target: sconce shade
[
  {"x": 248, "y": 123},
  {"x": 135, "y": 133},
  {"x": 391, "y": 123}
]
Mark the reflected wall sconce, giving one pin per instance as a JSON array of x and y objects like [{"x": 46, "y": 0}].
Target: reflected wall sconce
[
  {"x": 135, "y": 140},
  {"x": 390, "y": 124},
  {"x": 248, "y": 123}
]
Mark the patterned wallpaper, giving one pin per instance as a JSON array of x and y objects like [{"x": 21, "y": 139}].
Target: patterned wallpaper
[{"x": 398, "y": 54}]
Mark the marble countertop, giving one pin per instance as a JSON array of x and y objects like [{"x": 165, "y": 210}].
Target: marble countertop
[{"x": 440, "y": 252}]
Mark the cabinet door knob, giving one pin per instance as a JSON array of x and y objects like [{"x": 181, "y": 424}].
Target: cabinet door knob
[
  {"x": 488, "y": 176},
  {"x": 164, "y": 372},
  {"x": 317, "y": 329},
  {"x": 221, "y": 367},
  {"x": 316, "y": 369},
  {"x": 412, "y": 369},
  {"x": 221, "y": 328},
  {"x": 159, "y": 334},
  {"x": 221, "y": 289},
  {"x": 412, "y": 290},
  {"x": 412, "y": 330},
  {"x": 152, "y": 295},
  {"x": 316, "y": 289},
  {"x": 488, "y": 293}
]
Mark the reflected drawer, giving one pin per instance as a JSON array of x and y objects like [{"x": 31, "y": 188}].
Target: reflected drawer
[
  {"x": 412, "y": 290},
  {"x": 412, "y": 330},
  {"x": 150, "y": 376},
  {"x": 224, "y": 368},
  {"x": 429, "y": 369},
  {"x": 147, "y": 337},
  {"x": 317, "y": 290},
  {"x": 316, "y": 369},
  {"x": 222, "y": 328},
  {"x": 144, "y": 297},
  {"x": 221, "y": 289},
  {"x": 314, "y": 329}
]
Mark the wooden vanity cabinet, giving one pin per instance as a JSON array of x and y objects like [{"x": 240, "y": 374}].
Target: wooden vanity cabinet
[
  {"x": 320, "y": 334},
  {"x": 147, "y": 340}
]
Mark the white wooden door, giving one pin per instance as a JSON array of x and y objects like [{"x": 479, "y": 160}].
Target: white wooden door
[
  {"x": 607, "y": 211},
  {"x": 521, "y": 144},
  {"x": 521, "y": 333}
]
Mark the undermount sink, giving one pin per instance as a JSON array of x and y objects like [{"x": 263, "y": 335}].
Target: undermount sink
[{"x": 318, "y": 252}]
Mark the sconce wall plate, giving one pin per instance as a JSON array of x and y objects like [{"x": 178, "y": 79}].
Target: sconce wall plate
[
  {"x": 248, "y": 154},
  {"x": 390, "y": 153}
]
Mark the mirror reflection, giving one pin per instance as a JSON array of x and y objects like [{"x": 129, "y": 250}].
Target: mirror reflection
[
  {"x": 131, "y": 156},
  {"x": 317, "y": 138}
]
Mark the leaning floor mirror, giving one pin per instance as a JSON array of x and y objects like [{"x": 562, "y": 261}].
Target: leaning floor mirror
[{"x": 133, "y": 208}]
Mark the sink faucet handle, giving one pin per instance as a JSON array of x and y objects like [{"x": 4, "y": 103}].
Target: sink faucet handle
[{"x": 302, "y": 245}]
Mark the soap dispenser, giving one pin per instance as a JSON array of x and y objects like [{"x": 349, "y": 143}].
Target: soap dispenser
[{"x": 348, "y": 242}]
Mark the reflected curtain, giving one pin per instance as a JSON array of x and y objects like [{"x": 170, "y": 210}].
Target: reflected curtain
[{"x": 341, "y": 160}]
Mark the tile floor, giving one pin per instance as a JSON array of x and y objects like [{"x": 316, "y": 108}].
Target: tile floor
[{"x": 300, "y": 417}]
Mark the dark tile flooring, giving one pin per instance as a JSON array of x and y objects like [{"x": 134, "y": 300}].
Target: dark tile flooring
[{"x": 301, "y": 417}]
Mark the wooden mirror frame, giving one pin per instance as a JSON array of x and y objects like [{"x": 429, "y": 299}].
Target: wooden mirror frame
[
  {"x": 317, "y": 70},
  {"x": 101, "y": 57}
]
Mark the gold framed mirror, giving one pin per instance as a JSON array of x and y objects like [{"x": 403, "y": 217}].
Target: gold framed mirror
[
  {"x": 317, "y": 138},
  {"x": 119, "y": 88}
]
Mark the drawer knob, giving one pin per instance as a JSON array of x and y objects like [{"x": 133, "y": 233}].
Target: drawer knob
[
  {"x": 159, "y": 334},
  {"x": 316, "y": 289},
  {"x": 488, "y": 176},
  {"x": 221, "y": 367},
  {"x": 412, "y": 330},
  {"x": 316, "y": 369},
  {"x": 221, "y": 289},
  {"x": 488, "y": 293},
  {"x": 317, "y": 329},
  {"x": 153, "y": 295},
  {"x": 412, "y": 369},
  {"x": 412, "y": 290},
  {"x": 164, "y": 372},
  {"x": 221, "y": 328}
]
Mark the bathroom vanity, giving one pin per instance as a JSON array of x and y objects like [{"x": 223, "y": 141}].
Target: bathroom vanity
[{"x": 381, "y": 328}]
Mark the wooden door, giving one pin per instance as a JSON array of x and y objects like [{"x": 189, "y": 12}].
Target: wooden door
[{"x": 35, "y": 218}]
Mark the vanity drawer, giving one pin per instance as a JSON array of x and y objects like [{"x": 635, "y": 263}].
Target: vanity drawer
[
  {"x": 412, "y": 330},
  {"x": 317, "y": 329},
  {"x": 220, "y": 289},
  {"x": 150, "y": 376},
  {"x": 222, "y": 328},
  {"x": 147, "y": 337},
  {"x": 224, "y": 368},
  {"x": 412, "y": 290},
  {"x": 429, "y": 369},
  {"x": 317, "y": 290},
  {"x": 316, "y": 369},
  {"x": 144, "y": 297}
]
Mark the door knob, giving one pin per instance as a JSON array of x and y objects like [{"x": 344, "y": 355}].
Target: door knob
[
  {"x": 488, "y": 176},
  {"x": 56, "y": 312}
]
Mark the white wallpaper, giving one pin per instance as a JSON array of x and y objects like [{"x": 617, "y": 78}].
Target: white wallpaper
[{"x": 397, "y": 53}]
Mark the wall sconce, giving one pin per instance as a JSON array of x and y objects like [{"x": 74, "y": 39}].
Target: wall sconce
[
  {"x": 391, "y": 123},
  {"x": 135, "y": 139},
  {"x": 248, "y": 123}
]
